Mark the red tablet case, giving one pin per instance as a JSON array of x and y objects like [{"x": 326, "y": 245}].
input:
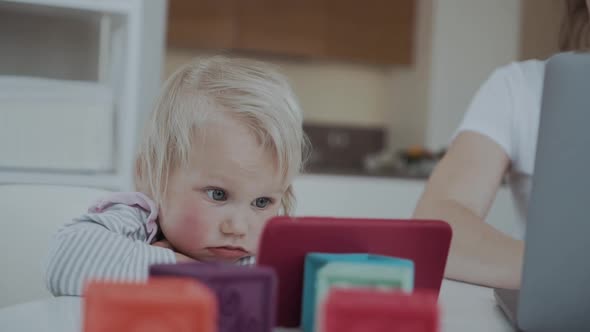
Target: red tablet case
[{"x": 285, "y": 241}]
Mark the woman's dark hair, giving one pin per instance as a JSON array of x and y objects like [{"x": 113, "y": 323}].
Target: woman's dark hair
[{"x": 575, "y": 30}]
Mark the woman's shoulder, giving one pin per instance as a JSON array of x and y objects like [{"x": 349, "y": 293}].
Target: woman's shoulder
[
  {"x": 523, "y": 83},
  {"x": 507, "y": 106},
  {"x": 527, "y": 79},
  {"x": 531, "y": 66},
  {"x": 529, "y": 73}
]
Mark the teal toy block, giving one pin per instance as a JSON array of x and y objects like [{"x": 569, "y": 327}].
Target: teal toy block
[{"x": 323, "y": 271}]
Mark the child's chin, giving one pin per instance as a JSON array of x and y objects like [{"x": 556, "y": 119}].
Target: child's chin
[{"x": 214, "y": 259}]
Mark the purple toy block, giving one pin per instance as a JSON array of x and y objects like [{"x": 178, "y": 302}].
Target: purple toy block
[{"x": 246, "y": 294}]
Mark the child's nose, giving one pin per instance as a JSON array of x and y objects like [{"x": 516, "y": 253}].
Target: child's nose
[{"x": 235, "y": 225}]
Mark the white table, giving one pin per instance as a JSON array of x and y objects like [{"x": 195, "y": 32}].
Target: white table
[{"x": 465, "y": 308}]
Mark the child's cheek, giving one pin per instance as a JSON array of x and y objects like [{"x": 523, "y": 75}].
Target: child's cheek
[{"x": 192, "y": 230}]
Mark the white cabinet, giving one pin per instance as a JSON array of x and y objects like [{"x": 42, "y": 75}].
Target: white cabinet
[
  {"x": 380, "y": 197},
  {"x": 112, "y": 49}
]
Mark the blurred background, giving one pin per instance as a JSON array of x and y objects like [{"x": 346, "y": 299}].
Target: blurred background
[{"x": 383, "y": 83}]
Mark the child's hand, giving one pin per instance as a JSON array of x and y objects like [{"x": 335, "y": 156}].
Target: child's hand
[
  {"x": 163, "y": 244},
  {"x": 179, "y": 257}
]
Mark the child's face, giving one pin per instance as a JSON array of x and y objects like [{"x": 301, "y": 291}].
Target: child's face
[{"x": 216, "y": 208}]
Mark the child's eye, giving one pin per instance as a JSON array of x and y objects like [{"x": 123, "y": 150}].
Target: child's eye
[
  {"x": 217, "y": 194},
  {"x": 262, "y": 202}
]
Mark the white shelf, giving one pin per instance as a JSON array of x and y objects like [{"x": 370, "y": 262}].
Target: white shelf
[
  {"x": 130, "y": 55},
  {"x": 105, "y": 180},
  {"x": 102, "y": 6}
]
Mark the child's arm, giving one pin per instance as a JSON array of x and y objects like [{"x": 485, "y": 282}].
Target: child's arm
[{"x": 111, "y": 245}]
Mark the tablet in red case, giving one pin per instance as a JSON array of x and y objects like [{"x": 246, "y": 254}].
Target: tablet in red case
[{"x": 285, "y": 241}]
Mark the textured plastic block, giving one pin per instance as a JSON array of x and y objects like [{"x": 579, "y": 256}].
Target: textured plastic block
[
  {"x": 359, "y": 310},
  {"x": 323, "y": 271},
  {"x": 163, "y": 305},
  {"x": 246, "y": 295}
]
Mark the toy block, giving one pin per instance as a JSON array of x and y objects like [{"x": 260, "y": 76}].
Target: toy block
[
  {"x": 246, "y": 295},
  {"x": 356, "y": 310},
  {"x": 323, "y": 271},
  {"x": 163, "y": 305}
]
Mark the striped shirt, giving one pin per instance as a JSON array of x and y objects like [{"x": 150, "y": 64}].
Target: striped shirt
[{"x": 112, "y": 241}]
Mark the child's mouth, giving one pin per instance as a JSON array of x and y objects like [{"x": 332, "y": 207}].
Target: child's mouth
[{"x": 228, "y": 252}]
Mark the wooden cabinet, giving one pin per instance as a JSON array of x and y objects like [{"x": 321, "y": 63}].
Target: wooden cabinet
[
  {"x": 206, "y": 24},
  {"x": 280, "y": 26},
  {"x": 372, "y": 31},
  {"x": 378, "y": 30}
]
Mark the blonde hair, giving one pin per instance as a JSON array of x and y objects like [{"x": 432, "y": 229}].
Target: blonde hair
[
  {"x": 575, "y": 27},
  {"x": 250, "y": 91}
]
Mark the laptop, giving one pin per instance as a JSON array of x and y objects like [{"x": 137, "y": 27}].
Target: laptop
[
  {"x": 285, "y": 242},
  {"x": 555, "y": 290}
]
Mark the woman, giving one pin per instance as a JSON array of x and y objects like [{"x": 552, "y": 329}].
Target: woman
[{"x": 496, "y": 138}]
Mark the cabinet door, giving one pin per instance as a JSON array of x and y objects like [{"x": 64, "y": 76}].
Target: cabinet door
[
  {"x": 374, "y": 31},
  {"x": 371, "y": 31},
  {"x": 208, "y": 24},
  {"x": 281, "y": 26}
]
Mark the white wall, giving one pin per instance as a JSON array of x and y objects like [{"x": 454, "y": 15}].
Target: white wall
[
  {"x": 469, "y": 39},
  {"x": 409, "y": 86}
]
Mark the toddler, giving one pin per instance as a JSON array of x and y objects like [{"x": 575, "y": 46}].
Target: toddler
[{"x": 216, "y": 162}]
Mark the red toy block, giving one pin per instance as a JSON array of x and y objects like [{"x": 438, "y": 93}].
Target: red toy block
[
  {"x": 162, "y": 305},
  {"x": 361, "y": 310}
]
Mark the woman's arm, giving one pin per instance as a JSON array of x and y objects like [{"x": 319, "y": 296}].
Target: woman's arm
[{"x": 461, "y": 191}]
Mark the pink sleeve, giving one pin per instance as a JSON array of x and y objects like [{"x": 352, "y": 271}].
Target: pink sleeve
[{"x": 132, "y": 199}]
